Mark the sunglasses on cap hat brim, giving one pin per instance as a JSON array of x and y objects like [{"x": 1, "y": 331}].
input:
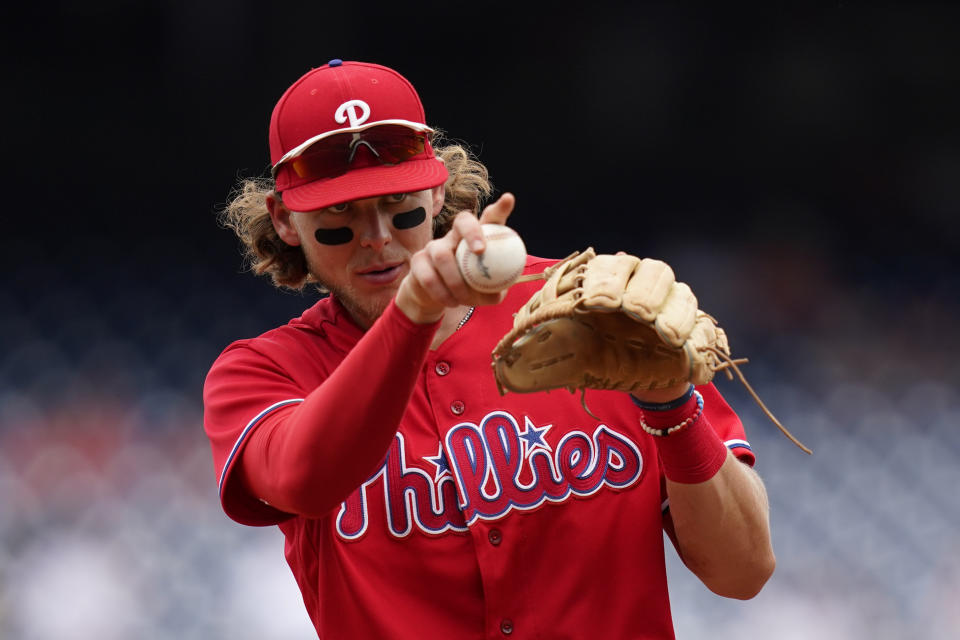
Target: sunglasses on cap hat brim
[{"x": 332, "y": 153}]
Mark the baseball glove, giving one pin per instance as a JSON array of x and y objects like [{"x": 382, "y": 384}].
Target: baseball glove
[{"x": 613, "y": 322}]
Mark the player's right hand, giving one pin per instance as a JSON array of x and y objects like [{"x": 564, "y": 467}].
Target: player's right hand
[{"x": 434, "y": 282}]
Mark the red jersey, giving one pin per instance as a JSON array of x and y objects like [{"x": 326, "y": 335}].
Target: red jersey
[{"x": 489, "y": 516}]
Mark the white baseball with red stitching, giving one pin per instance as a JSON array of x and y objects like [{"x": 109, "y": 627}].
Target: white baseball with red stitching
[{"x": 500, "y": 264}]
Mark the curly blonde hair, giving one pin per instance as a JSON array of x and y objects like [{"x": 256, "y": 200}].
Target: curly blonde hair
[{"x": 246, "y": 214}]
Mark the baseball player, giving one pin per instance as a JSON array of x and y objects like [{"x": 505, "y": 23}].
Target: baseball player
[{"x": 416, "y": 500}]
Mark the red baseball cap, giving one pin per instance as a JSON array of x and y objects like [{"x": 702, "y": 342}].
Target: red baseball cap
[{"x": 348, "y": 97}]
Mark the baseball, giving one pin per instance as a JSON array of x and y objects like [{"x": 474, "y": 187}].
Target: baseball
[{"x": 500, "y": 264}]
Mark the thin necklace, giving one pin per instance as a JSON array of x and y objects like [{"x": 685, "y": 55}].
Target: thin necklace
[{"x": 465, "y": 318}]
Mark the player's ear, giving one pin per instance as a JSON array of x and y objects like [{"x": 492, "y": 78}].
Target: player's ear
[
  {"x": 437, "y": 195},
  {"x": 280, "y": 217}
]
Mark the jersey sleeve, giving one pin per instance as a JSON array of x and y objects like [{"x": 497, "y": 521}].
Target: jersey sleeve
[
  {"x": 269, "y": 423},
  {"x": 242, "y": 389},
  {"x": 726, "y": 423}
]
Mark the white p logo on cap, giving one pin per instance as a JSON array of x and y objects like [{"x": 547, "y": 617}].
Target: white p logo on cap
[{"x": 348, "y": 110}]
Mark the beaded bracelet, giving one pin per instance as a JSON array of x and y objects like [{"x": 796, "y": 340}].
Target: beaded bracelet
[{"x": 676, "y": 427}]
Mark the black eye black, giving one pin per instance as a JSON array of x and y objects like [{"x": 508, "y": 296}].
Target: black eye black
[
  {"x": 340, "y": 235},
  {"x": 410, "y": 219}
]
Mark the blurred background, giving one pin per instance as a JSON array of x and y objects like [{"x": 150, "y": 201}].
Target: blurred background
[{"x": 800, "y": 169}]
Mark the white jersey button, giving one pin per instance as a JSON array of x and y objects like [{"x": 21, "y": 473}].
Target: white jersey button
[
  {"x": 506, "y": 626},
  {"x": 457, "y": 407},
  {"x": 442, "y": 368}
]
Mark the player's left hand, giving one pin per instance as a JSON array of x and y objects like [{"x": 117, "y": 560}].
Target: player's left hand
[{"x": 434, "y": 282}]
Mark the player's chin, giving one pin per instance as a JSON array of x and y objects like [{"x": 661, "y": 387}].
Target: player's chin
[
  {"x": 365, "y": 307},
  {"x": 375, "y": 297}
]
